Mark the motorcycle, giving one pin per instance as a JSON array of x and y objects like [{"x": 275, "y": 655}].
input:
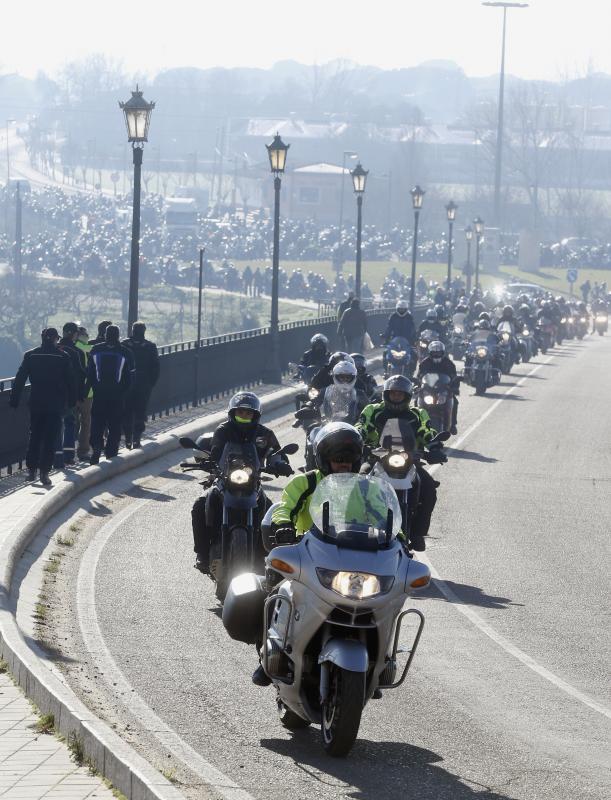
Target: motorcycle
[
  {"x": 305, "y": 375},
  {"x": 480, "y": 370},
  {"x": 339, "y": 405},
  {"x": 332, "y": 623},
  {"x": 505, "y": 350},
  {"x": 458, "y": 337},
  {"x": 581, "y": 327},
  {"x": 396, "y": 460},
  {"x": 526, "y": 344},
  {"x": 399, "y": 358},
  {"x": 545, "y": 334},
  {"x": 436, "y": 397},
  {"x": 424, "y": 340},
  {"x": 238, "y": 477},
  {"x": 601, "y": 322}
]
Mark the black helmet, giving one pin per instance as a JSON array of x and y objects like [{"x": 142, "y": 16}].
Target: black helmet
[
  {"x": 440, "y": 311},
  {"x": 360, "y": 362},
  {"x": 398, "y": 383},
  {"x": 524, "y": 308},
  {"x": 319, "y": 342},
  {"x": 338, "y": 441},
  {"x": 484, "y": 316},
  {"x": 338, "y": 356},
  {"x": 508, "y": 312},
  {"x": 437, "y": 349},
  {"x": 484, "y": 325},
  {"x": 478, "y": 307},
  {"x": 431, "y": 315},
  {"x": 245, "y": 400}
]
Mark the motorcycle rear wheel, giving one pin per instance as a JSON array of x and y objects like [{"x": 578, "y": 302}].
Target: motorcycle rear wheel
[
  {"x": 341, "y": 714},
  {"x": 480, "y": 383}
]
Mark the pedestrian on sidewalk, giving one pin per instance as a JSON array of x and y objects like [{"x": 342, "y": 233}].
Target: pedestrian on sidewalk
[
  {"x": 146, "y": 363},
  {"x": 109, "y": 374},
  {"x": 352, "y": 327},
  {"x": 83, "y": 408},
  {"x": 52, "y": 391},
  {"x": 65, "y": 449}
]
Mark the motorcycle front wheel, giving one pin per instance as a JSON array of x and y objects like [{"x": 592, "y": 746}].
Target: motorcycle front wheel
[
  {"x": 341, "y": 714},
  {"x": 480, "y": 383}
]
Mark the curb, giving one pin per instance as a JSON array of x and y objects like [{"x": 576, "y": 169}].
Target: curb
[{"x": 109, "y": 754}]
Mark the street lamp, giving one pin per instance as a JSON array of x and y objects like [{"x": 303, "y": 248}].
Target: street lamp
[
  {"x": 417, "y": 197},
  {"x": 8, "y": 179},
  {"x": 277, "y": 152},
  {"x": 137, "y": 119},
  {"x": 499, "y": 128},
  {"x": 340, "y": 256},
  {"x": 469, "y": 238},
  {"x": 478, "y": 224},
  {"x": 359, "y": 179},
  {"x": 451, "y": 212}
]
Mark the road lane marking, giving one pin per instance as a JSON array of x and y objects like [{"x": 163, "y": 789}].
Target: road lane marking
[
  {"x": 96, "y": 646},
  {"x": 474, "y": 617}
]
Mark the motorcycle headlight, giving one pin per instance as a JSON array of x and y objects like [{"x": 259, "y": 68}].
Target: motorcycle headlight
[
  {"x": 397, "y": 353},
  {"x": 571, "y": 320},
  {"x": 313, "y": 393},
  {"x": 481, "y": 352},
  {"x": 525, "y": 332},
  {"x": 458, "y": 329},
  {"x": 601, "y": 318},
  {"x": 355, "y": 585},
  {"x": 422, "y": 343},
  {"x": 583, "y": 319},
  {"x": 429, "y": 399},
  {"x": 396, "y": 461},
  {"x": 563, "y": 321},
  {"x": 505, "y": 337},
  {"x": 239, "y": 477}
]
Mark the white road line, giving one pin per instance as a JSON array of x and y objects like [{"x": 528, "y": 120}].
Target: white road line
[
  {"x": 475, "y": 618},
  {"x": 94, "y": 641}
]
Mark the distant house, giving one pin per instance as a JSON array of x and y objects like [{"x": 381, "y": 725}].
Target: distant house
[{"x": 314, "y": 191}]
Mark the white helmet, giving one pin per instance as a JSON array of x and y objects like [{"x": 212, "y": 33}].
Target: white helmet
[
  {"x": 344, "y": 374},
  {"x": 402, "y": 307}
]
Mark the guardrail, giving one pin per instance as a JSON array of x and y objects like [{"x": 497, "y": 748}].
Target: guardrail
[{"x": 192, "y": 374}]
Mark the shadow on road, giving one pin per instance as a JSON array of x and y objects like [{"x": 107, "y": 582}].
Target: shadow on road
[
  {"x": 465, "y": 594},
  {"x": 142, "y": 493},
  {"x": 470, "y": 455},
  {"x": 503, "y": 396},
  {"x": 378, "y": 770}
]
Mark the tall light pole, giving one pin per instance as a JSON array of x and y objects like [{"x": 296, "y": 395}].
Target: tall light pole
[
  {"x": 340, "y": 259},
  {"x": 8, "y": 179},
  {"x": 451, "y": 212},
  {"x": 417, "y": 197},
  {"x": 137, "y": 119},
  {"x": 277, "y": 152},
  {"x": 499, "y": 127},
  {"x": 359, "y": 179},
  {"x": 478, "y": 224},
  {"x": 468, "y": 268}
]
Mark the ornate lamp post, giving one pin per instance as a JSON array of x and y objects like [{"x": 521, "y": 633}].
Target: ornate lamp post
[
  {"x": 451, "y": 212},
  {"x": 137, "y": 119},
  {"x": 478, "y": 224},
  {"x": 277, "y": 152},
  {"x": 468, "y": 268},
  {"x": 417, "y": 197},
  {"x": 359, "y": 179}
]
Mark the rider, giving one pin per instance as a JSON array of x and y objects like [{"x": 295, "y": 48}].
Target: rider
[
  {"x": 318, "y": 354},
  {"x": 338, "y": 448},
  {"x": 507, "y": 322},
  {"x": 365, "y": 383},
  {"x": 401, "y": 323},
  {"x": 437, "y": 361},
  {"x": 431, "y": 323},
  {"x": 398, "y": 391},
  {"x": 324, "y": 376},
  {"x": 242, "y": 427}
]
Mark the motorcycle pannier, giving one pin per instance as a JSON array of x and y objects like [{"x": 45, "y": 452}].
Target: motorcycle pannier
[{"x": 243, "y": 608}]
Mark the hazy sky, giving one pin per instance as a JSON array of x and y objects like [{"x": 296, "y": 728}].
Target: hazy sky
[{"x": 550, "y": 39}]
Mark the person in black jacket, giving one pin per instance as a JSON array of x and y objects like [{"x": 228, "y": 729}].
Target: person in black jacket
[
  {"x": 65, "y": 449},
  {"x": 109, "y": 374},
  {"x": 101, "y": 337},
  {"x": 242, "y": 427},
  {"x": 53, "y": 389},
  {"x": 401, "y": 323},
  {"x": 437, "y": 361},
  {"x": 146, "y": 362}
]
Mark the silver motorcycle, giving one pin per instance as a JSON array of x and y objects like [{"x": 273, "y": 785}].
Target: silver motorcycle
[{"x": 328, "y": 616}]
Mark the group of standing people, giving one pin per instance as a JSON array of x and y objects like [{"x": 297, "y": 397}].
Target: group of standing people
[{"x": 84, "y": 393}]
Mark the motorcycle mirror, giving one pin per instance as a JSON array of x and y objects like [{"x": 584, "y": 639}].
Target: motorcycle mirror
[
  {"x": 389, "y": 520},
  {"x": 325, "y": 518},
  {"x": 304, "y": 413},
  {"x": 290, "y": 449},
  {"x": 188, "y": 443}
]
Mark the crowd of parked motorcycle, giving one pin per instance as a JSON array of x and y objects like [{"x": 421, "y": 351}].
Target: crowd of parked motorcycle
[{"x": 318, "y": 581}]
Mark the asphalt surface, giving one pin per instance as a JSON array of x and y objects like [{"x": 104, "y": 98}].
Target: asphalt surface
[{"x": 509, "y": 693}]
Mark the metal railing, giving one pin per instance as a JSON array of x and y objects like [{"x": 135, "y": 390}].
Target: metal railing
[{"x": 192, "y": 374}]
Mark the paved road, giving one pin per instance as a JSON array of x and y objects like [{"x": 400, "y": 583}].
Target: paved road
[{"x": 509, "y": 696}]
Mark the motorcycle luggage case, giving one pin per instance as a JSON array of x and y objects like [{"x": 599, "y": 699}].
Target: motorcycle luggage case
[{"x": 243, "y": 608}]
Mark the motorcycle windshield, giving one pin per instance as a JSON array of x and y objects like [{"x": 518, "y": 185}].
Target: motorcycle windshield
[
  {"x": 505, "y": 327},
  {"x": 338, "y": 403},
  {"x": 436, "y": 380},
  {"x": 239, "y": 456},
  {"x": 428, "y": 335},
  {"x": 483, "y": 337},
  {"x": 400, "y": 345},
  {"x": 356, "y": 511},
  {"x": 398, "y": 434}
]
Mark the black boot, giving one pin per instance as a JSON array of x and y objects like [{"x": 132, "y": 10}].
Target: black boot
[
  {"x": 260, "y": 677},
  {"x": 45, "y": 479},
  {"x": 32, "y": 474},
  {"x": 202, "y": 564}
]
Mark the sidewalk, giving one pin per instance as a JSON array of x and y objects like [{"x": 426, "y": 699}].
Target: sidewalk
[{"x": 38, "y": 765}]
